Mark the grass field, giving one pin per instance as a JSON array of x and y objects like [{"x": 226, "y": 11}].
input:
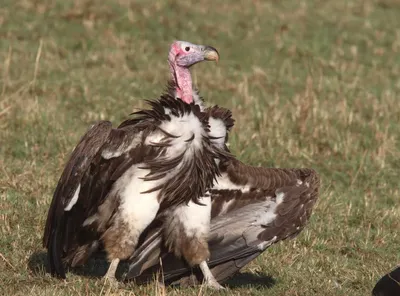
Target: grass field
[{"x": 310, "y": 83}]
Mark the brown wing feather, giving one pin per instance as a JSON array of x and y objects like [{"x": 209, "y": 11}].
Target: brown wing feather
[
  {"x": 102, "y": 157},
  {"x": 236, "y": 237},
  {"x": 76, "y": 167}
]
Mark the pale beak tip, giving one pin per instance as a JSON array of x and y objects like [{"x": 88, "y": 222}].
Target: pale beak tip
[{"x": 211, "y": 54}]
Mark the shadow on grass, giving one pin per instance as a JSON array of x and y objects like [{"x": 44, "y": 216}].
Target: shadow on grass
[
  {"x": 37, "y": 263},
  {"x": 255, "y": 281},
  {"x": 97, "y": 267}
]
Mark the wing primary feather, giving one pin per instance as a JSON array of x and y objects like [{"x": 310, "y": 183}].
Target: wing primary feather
[
  {"x": 235, "y": 239},
  {"x": 55, "y": 237}
]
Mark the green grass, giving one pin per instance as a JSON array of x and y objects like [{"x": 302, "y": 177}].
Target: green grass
[{"x": 310, "y": 83}]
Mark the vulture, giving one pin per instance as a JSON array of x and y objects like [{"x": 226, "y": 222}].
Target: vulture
[
  {"x": 163, "y": 162},
  {"x": 252, "y": 208},
  {"x": 389, "y": 284}
]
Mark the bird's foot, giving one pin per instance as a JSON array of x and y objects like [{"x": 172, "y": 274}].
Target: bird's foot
[
  {"x": 161, "y": 284},
  {"x": 111, "y": 280},
  {"x": 209, "y": 279},
  {"x": 213, "y": 284}
]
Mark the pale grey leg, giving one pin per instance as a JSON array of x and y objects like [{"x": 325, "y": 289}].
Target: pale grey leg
[
  {"x": 209, "y": 279},
  {"x": 110, "y": 275}
]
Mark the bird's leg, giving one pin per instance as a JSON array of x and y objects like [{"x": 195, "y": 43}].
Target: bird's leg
[
  {"x": 186, "y": 230},
  {"x": 110, "y": 275},
  {"x": 209, "y": 278}
]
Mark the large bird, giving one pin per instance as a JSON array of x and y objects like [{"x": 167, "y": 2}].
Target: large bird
[
  {"x": 389, "y": 284},
  {"x": 117, "y": 179},
  {"x": 252, "y": 208}
]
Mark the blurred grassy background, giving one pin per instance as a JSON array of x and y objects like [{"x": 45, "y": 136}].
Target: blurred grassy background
[{"x": 310, "y": 83}]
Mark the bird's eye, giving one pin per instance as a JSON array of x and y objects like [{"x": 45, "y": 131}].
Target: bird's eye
[{"x": 187, "y": 48}]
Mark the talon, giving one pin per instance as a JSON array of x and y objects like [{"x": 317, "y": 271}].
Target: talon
[
  {"x": 214, "y": 285},
  {"x": 112, "y": 281},
  {"x": 209, "y": 279}
]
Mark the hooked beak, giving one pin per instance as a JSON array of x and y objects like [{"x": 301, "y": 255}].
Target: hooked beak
[{"x": 210, "y": 54}]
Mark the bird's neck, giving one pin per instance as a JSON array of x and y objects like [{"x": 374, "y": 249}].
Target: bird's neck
[{"x": 183, "y": 81}]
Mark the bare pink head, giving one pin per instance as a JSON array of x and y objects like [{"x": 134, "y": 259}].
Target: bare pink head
[{"x": 182, "y": 56}]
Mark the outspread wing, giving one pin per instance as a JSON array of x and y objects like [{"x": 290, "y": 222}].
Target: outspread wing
[
  {"x": 252, "y": 209},
  {"x": 101, "y": 157},
  {"x": 167, "y": 142},
  {"x": 67, "y": 191}
]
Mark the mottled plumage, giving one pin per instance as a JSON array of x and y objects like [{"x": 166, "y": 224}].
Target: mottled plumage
[
  {"x": 252, "y": 208},
  {"x": 95, "y": 174}
]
